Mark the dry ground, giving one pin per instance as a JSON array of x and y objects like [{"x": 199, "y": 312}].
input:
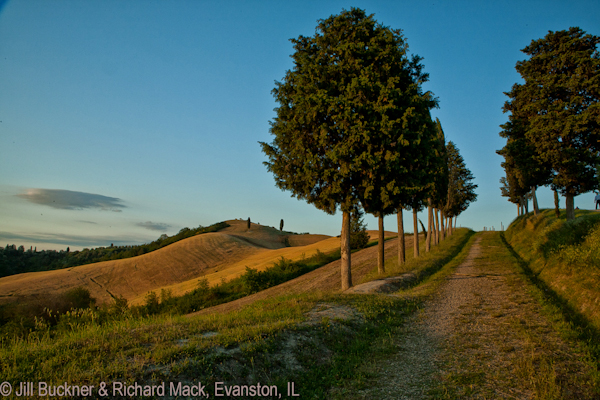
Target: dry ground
[{"x": 482, "y": 336}]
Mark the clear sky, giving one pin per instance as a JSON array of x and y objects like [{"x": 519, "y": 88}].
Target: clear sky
[{"x": 123, "y": 120}]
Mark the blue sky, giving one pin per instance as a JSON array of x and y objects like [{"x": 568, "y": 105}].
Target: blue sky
[{"x": 123, "y": 120}]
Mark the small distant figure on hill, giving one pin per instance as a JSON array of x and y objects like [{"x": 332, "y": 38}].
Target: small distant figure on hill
[
  {"x": 248, "y": 223},
  {"x": 597, "y": 199},
  {"x": 281, "y": 226}
]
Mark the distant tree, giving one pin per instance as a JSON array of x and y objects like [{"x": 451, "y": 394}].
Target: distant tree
[
  {"x": 248, "y": 223},
  {"x": 521, "y": 160},
  {"x": 342, "y": 109},
  {"x": 281, "y": 225},
  {"x": 513, "y": 187},
  {"x": 439, "y": 190},
  {"x": 358, "y": 230},
  {"x": 423, "y": 227},
  {"x": 560, "y": 96},
  {"x": 461, "y": 191}
]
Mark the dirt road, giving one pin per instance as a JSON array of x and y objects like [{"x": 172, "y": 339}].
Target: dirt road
[{"x": 483, "y": 335}]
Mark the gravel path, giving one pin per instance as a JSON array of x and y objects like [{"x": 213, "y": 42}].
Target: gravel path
[
  {"x": 411, "y": 371},
  {"x": 482, "y": 336}
]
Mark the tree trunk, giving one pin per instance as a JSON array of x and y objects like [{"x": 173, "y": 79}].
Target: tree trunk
[
  {"x": 401, "y": 244},
  {"x": 556, "y": 204},
  {"x": 416, "y": 239},
  {"x": 437, "y": 227},
  {"x": 522, "y": 202},
  {"x": 518, "y": 210},
  {"x": 380, "y": 250},
  {"x": 442, "y": 232},
  {"x": 570, "y": 206},
  {"x": 429, "y": 225},
  {"x": 536, "y": 209},
  {"x": 345, "y": 250}
]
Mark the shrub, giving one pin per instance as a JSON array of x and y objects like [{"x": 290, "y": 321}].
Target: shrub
[
  {"x": 151, "y": 303},
  {"x": 78, "y": 298},
  {"x": 586, "y": 254}
]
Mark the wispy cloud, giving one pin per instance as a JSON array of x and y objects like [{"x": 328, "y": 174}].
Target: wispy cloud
[
  {"x": 67, "y": 240},
  {"x": 70, "y": 200},
  {"x": 154, "y": 226}
]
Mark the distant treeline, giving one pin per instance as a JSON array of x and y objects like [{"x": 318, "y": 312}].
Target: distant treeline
[{"x": 15, "y": 260}]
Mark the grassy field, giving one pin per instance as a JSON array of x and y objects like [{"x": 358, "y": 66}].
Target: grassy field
[{"x": 315, "y": 340}]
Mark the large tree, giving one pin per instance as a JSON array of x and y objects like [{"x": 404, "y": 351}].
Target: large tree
[
  {"x": 561, "y": 97},
  {"x": 342, "y": 109}
]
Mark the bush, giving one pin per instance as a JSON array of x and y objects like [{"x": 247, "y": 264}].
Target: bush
[
  {"x": 151, "y": 304},
  {"x": 561, "y": 234},
  {"x": 586, "y": 254},
  {"x": 78, "y": 298}
]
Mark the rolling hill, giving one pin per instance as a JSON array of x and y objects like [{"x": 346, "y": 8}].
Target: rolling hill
[{"x": 216, "y": 256}]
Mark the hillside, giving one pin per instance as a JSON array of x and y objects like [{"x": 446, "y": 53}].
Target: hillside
[
  {"x": 564, "y": 257},
  {"x": 218, "y": 255}
]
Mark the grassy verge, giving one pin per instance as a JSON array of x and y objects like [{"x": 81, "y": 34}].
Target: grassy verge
[
  {"x": 562, "y": 260},
  {"x": 272, "y": 342}
]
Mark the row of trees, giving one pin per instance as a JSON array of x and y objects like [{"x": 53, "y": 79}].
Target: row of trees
[
  {"x": 353, "y": 129},
  {"x": 553, "y": 131}
]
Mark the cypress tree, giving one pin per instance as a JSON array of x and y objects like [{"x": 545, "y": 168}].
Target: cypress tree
[
  {"x": 347, "y": 105},
  {"x": 561, "y": 100},
  {"x": 461, "y": 191}
]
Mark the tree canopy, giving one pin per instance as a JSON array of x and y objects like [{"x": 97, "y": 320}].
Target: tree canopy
[
  {"x": 559, "y": 112},
  {"x": 346, "y": 110}
]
